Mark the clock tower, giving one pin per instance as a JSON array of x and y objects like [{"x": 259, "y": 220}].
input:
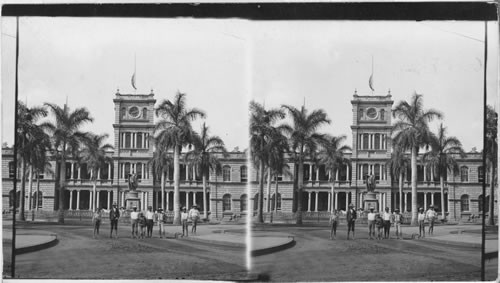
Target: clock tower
[
  {"x": 371, "y": 138},
  {"x": 133, "y": 127}
]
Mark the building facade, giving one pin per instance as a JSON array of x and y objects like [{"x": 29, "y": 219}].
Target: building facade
[{"x": 227, "y": 192}]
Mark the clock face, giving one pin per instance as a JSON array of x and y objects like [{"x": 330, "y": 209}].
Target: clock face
[
  {"x": 371, "y": 113},
  {"x": 133, "y": 112}
]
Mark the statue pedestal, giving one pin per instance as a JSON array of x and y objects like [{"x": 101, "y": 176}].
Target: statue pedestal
[
  {"x": 132, "y": 199},
  {"x": 370, "y": 200}
]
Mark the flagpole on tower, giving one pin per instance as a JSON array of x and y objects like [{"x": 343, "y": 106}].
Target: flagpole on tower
[
  {"x": 134, "y": 75},
  {"x": 370, "y": 81}
]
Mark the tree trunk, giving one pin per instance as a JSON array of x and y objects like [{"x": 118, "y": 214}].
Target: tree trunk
[
  {"x": 30, "y": 186},
  {"x": 260, "y": 217},
  {"x": 300, "y": 184},
  {"x": 205, "y": 213},
  {"x": 37, "y": 190},
  {"x": 401, "y": 191},
  {"x": 276, "y": 195},
  {"x": 491, "y": 217},
  {"x": 332, "y": 201},
  {"x": 62, "y": 185},
  {"x": 22, "y": 197},
  {"x": 414, "y": 185},
  {"x": 162, "y": 180},
  {"x": 268, "y": 202},
  {"x": 441, "y": 183},
  {"x": 95, "y": 201},
  {"x": 177, "y": 174}
]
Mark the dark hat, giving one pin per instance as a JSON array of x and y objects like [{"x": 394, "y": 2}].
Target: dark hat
[
  {"x": 371, "y": 208},
  {"x": 432, "y": 206}
]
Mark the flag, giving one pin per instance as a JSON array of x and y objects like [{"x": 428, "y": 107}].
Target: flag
[
  {"x": 133, "y": 81},
  {"x": 370, "y": 82}
]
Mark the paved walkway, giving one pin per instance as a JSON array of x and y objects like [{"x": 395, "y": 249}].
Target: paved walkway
[{"x": 235, "y": 235}]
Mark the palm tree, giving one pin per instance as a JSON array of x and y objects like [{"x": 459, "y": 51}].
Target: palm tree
[
  {"x": 173, "y": 131},
  {"x": 204, "y": 157},
  {"x": 491, "y": 156},
  {"x": 441, "y": 157},
  {"x": 304, "y": 141},
  {"x": 399, "y": 164},
  {"x": 29, "y": 133},
  {"x": 411, "y": 132},
  {"x": 67, "y": 140},
  {"x": 39, "y": 163},
  {"x": 161, "y": 162},
  {"x": 277, "y": 162},
  {"x": 332, "y": 156},
  {"x": 262, "y": 133},
  {"x": 94, "y": 155}
]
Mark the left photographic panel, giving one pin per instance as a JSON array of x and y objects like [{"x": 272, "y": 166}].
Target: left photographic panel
[{"x": 131, "y": 147}]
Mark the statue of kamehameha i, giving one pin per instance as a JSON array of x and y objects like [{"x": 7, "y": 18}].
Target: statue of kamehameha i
[
  {"x": 132, "y": 182},
  {"x": 370, "y": 183}
]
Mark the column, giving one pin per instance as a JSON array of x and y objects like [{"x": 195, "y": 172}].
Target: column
[
  {"x": 361, "y": 171},
  {"x": 406, "y": 200},
  {"x": 72, "y": 170},
  {"x": 90, "y": 200},
  {"x": 144, "y": 137},
  {"x": 71, "y": 200},
  {"x": 99, "y": 174},
  {"x": 309, "y": 202},
  {"x": 194, "y": 198},
  {"x": 347, "y": 171},
  {"x": 337, "y": 175},
  {"x": 109, "y": 171},
  {"x": 316, "y": 202},
  {"x": 146, "y": 195},
  {"x": 194, "y": 173},
  {"x": 97, "y": 199},
  {"x": 381, "y": 144},
  {"x": 380, "y": 205},
  {"x": 329, "y": 201},
  {"x": 143, "y": 172},
  {"x": 187, "y": 173},
  {"x": 79, "y": 172},
  {"x": 310, "y": 172},
  {"x": 425, "y": 201},
  {"x": 123, "y": 198},
  {"x": 432, "y": 174},
  {"x": 380, "y": 172},
  {"x": 360, "y": 199},
  {"x": 317, "y": 174},
  {"x": 109, "y": 199},
  {"x": 187, "y": 199},
  {"x": 370, "y": 141},
  {"x": 77, "y": 200},
  {"x": 425, "y": 174},
  {"x": 336, "y": 200},
  {"x": 432, "y": 199}
]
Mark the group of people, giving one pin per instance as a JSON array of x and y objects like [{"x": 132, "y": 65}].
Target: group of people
[
  {"x": 142, "y": 223},
  {"x": 379, "y": 224}
]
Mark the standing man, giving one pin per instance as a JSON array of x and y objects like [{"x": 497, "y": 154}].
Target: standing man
[
  {"x": 149, "y": 221},
  {"x": 194, "y": 215},
  {"x": 351, "y": 219},
  {"x": 371, "y": 223},
  {"x": 431, "y": 216},
  {"x": 114, "y": 215},
  {"x": 162, "y": 219},
  {"x": 134, "y": 219},
  {"x": 398, "y": 219},
  {"x": 387, "y": 223}
]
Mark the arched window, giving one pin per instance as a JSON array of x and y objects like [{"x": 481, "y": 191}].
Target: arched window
[
  {"x": 243, "y": 173},
  {"x": 226, "y": 173},
  {"x": 365, "y": 141},
  {"x": 11, "y": 198},
  {"x": 128, "y": 140},
  {"x": 278, "y": 205},
  {"x": 382, "y": 114},
  {"x": 464, "y": 174},
  {"x": 464, "y": 203},
  {"x": 139, "y": 140},
  {"x": 40, "y": 199},
  {"x": 127, "y": 170},
  {"x": 365, "y": 171},
  {"x": 123, "y": 112},
  {"x": 138, "y": 170},
  {"x": 243, "y": 202},
  {"x": 144, "y": 113},
  {"x": 377, "y": 171},
  {"x": 480, "y": 174},
  {"x": 377, "y": 141},
  {"x": 226, "y": 202},
  {"x": 12, "y": 170},
  {"x": 360, "y": 116}
]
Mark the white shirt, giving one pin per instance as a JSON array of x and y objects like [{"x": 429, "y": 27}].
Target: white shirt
[
  {"x": 431, "y": 214},
  {"x": 371, "y": 216},
  {"x": 387, "y": 216},
  {"x": 193, "y": 213},
  {"x": 184, "y": 216},
  {"x": 421, "y": 216},
  {"x": 134, "y": 215},
  {"x": 150, "y": 215}
]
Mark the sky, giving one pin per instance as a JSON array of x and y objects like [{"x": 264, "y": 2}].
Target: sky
[{"x": 223, "y": 64}]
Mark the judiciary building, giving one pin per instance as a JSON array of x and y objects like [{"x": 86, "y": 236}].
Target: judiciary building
[{"x": 227, "y": 192}]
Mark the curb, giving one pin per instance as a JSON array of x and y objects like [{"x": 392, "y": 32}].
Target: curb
[
  {"x": 274, "y": 249},
  {"x": 222, "y": 243},
  {"x": 38, "y": 247}
]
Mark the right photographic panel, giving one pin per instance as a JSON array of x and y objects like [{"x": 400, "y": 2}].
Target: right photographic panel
[{"x": 367, "y": 143}]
